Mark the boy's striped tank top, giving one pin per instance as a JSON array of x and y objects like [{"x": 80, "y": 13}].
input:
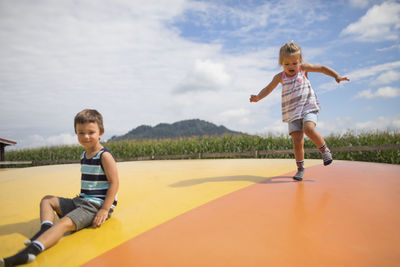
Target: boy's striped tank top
[{"x": 94, "y": 183}]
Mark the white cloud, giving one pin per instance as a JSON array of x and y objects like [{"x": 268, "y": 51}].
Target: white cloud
[
  {"x": 206, "y": 75},
  {"x": 335, "y": 126},
  {"x": 388, "y": 48},
  {"x": 365, "y": 94},
  {"x": 383, "y": 92},
  {"x": 387, "y": 77},
  {"x": 373, "y": 70},
  {"x": 386, "y": 73},
  {"x": 62, "y": 139},
  {"x": 247, "y": 21},
  {"x": 36, "y": 140},
  {"x": 380, "y": 23},
  {"x": 274, "y": 127},
  {"x": 381, "y": 123},
  {"x": 329, "y": 86},
  {"x": 235, "y": 116},
  {"x": 342, "y": 125}
]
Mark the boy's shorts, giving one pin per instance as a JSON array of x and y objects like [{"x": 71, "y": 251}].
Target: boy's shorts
[
  {"x": 297, "y": 125},
  {"x": 79, "y": 210}
]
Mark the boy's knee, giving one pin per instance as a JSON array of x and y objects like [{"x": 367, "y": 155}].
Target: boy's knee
[
  {"x": 67, "y": 224},
  {"x": 50, "y": 200},
  {"x": 47, "y": 199}
]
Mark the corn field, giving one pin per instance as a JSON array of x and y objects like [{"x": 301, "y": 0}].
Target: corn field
[{"x": 225, "y": 144}]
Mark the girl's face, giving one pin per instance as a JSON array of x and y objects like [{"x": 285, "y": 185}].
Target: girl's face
[
  {"x": 291, "y": 65},
  {"x": 88, "y": 135}
]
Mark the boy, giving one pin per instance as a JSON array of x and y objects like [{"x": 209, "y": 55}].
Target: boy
[{"x": 95, "y": 203}]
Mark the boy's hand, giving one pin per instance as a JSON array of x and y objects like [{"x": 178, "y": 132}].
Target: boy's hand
[
  {"x": 340, "y": 78},
  {"x": 101, "y": 217},
  {"x": 254, "y": 98}
]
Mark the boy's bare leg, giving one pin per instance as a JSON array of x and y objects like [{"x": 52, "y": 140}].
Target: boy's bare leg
[
  {"x": 298, "y": 149},
  {"x": 46, "y": 240},
  {"x": 55, "y": 233},
  {"x": 48, "y": 205},
  {"x": 318, "y": 140}
]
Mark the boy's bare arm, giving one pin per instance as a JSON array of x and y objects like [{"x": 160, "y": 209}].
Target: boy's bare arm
[
  {"x": 268, "y": 89},
  {"x": 325, "y": 70},
  {"x": 110, "y": 169}
]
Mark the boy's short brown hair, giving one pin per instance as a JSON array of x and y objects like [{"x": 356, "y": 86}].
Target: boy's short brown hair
[{"x": 89, "y": 115}]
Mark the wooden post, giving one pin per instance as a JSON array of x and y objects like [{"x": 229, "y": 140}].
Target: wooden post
[{"x": 2, "y": 146}]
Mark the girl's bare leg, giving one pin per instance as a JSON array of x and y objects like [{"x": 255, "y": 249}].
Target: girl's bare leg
[
  {"x": 309, "y": 130},
  {"x": 318, "y": 140},
  {"x": 298, "y": 145},
  {"x": 298, "y": 148}
]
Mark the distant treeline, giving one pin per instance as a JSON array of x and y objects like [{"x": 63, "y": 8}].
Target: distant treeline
[
  {"x": 225, "y": 144},
  {"x": 180, "y": 129}
]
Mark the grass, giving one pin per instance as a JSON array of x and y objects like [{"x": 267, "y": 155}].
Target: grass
[{"x": 244, "y": 143}]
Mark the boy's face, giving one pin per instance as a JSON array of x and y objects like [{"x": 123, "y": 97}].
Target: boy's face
[
  {"x": 291, "y": 65},
  {"x": 88, "y": 134}
]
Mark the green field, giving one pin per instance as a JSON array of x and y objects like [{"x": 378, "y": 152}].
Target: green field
[{"x": 244, "y": 143}]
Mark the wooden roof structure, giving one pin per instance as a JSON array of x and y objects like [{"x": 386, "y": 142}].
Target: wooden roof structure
[
  {"x": 3, "y": 144},
  {"x": 7, "y": 142}
]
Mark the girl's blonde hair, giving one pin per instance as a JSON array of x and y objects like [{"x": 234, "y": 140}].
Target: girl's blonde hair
[{"x": 289, "y": 49}]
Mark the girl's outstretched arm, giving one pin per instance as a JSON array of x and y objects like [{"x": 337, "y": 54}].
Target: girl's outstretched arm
[
  {"x": 268, "y": 89},
  {"x": 325, "y": 70}
]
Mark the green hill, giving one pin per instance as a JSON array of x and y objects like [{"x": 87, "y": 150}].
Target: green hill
[{"x": 187, "y": 128}]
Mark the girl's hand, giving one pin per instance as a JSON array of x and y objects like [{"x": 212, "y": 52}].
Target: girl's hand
[
  {"x": 100, "y": 218},
  {"x": 340, "y": 78},
  {"x": 254, "y": 98}
]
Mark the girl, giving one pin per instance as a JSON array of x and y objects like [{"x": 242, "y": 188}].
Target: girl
[{"x": 300, "y": 105}]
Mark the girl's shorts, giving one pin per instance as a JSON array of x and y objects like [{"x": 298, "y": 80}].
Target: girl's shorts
[
  {"x": 297, "y": 125},
  {"x": 79, "y": 210}
]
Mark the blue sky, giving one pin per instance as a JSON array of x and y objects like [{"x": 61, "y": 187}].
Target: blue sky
[{"x": 147, "y": 62}]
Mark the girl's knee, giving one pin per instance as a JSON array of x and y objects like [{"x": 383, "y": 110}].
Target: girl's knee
[
  {"x": 297, "y": 137},
  {"x": 309, "y": 127}
]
